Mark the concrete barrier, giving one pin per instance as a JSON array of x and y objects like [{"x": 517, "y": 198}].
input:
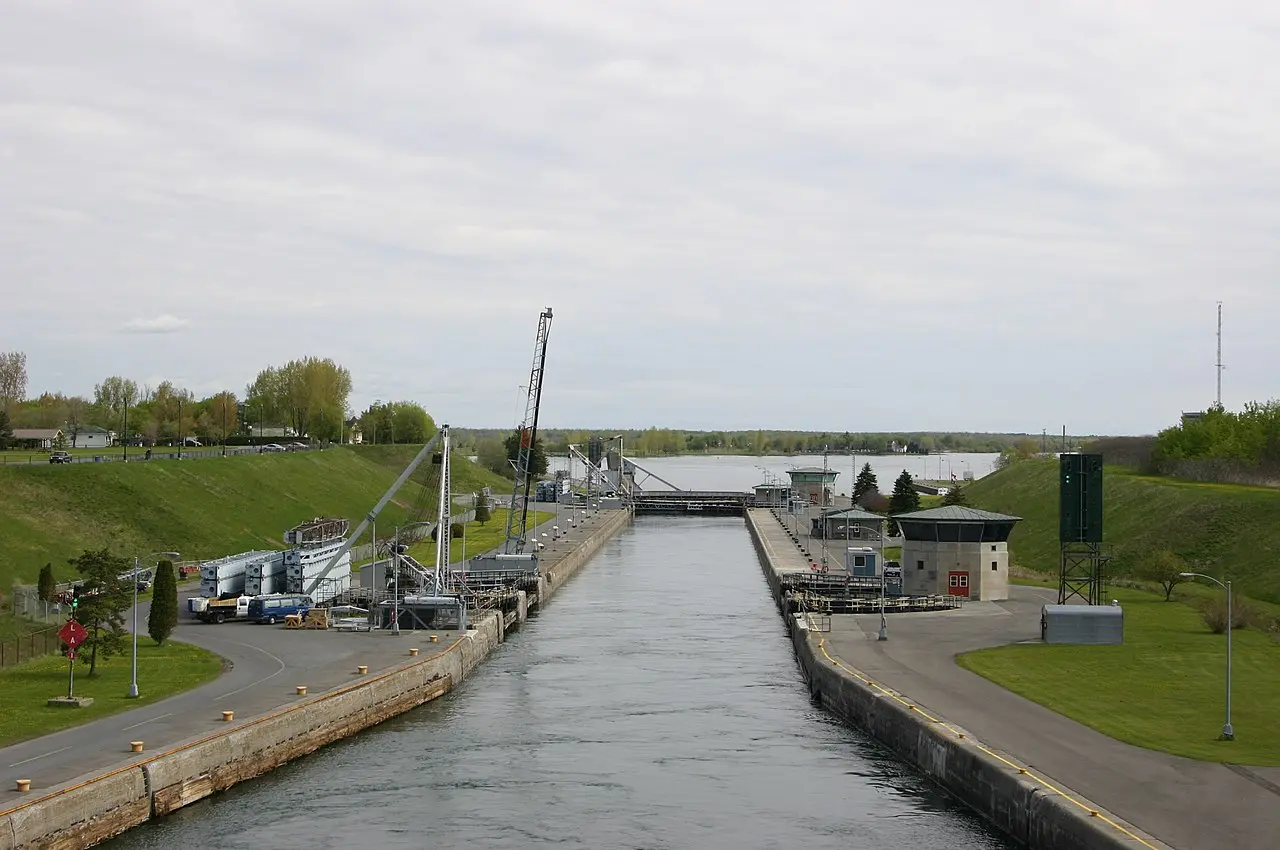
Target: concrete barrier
[
  {"x": 100, "y": 807},
  {"x": 1030, "y": 808},
  {"x": 80, "y": 816}
]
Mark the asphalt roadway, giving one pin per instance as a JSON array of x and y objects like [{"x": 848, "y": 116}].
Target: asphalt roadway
[
  {"x": 1188, "y": 804},
  {"x": 264, "y": 666}
]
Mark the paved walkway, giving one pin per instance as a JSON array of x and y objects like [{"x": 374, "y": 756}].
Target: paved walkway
[
  {"x": 1190, "y": 805},
  {"x": 266, "y": 664}
]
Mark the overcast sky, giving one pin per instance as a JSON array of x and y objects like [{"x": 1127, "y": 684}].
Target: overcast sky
[{"x": 817, "y": 215}]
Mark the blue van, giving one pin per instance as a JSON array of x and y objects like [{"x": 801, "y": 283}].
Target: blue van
[{"x": 276, "y": 606}]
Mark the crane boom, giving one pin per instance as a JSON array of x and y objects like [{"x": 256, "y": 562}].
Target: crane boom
[
  {"x": 382, "y": 503},
  {"x": 518, "y": 514}
]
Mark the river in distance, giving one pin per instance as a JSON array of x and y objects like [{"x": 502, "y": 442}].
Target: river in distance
[
  {"x": 656, "y": 703},
  {"x": 742, "y": 472}
]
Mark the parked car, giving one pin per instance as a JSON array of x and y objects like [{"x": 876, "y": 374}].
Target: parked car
[
  {"x": 60, "y": 457},
  {"x": 272, "y": 447},
  {"x": 295, "y": 446}
]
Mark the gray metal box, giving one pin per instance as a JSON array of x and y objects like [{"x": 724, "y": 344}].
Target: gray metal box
[{"x": 1082, "y": 624}]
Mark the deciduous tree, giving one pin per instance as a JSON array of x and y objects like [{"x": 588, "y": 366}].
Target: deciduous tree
[
  {"x": 104, "y": 597},
  {"x": 1164, "y": 567},
  {"x": 13, "y": 377},
  {"x": 482, "y": 508}
]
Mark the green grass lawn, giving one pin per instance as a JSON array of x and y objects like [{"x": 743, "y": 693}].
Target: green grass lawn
[
  {"x": 162, "y": 672},
  {"x": 1163, "y": 689},
  {"x": 202, "y": 508},
  {"x": 1234, "y": 529},
  {"x": 480, "y": 538}
]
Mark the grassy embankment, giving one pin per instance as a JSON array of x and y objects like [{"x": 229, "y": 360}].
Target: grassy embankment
[
  {"x": 480, "y": 537},
  {"x": 202, "y": 508},
  {"x": 1227, "y": 530},
  {"x": 1164, "y": 688},
  {"x": 162, "y": 672}
]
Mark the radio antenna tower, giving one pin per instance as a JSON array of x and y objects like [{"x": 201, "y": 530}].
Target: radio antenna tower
[{"x": 1219, "y": 355}]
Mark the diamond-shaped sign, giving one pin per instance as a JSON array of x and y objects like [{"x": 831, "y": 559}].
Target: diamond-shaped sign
[{"x": 73, "y": 634}]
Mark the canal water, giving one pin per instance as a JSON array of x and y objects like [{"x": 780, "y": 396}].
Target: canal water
[{"x": 655, "y": 704}]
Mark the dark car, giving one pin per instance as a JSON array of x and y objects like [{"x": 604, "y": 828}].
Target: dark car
[{"x": 60, "y": 457}]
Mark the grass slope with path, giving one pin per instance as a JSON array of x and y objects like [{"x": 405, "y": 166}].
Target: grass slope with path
[
  {"x": 162, "y": 672},
  {"x": 202, "y": 508},
  {"x": 1233, "y": 530},
  {"x": 1163, "y": 689}
]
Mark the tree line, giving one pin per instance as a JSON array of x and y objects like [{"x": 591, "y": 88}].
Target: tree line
[
  {"x": 1249, "y": 437},
  {"x": 309, "y": 397},
  {"x": 654, "y": 442}
]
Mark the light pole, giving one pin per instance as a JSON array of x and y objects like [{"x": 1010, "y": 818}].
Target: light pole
[
  {"x": 133, "y": 682},
  {"x": 884, "y": 624},
  {"x": 1228, "y": 733}
]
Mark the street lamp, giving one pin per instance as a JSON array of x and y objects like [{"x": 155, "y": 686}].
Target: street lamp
[
  {"x": 133, "y": 683},
  {"x": 1228, "y": 733},
  {"x": 884, "y": 624}
]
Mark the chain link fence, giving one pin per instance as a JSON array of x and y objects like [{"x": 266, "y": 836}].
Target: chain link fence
[{"x": 31, "y": 645}]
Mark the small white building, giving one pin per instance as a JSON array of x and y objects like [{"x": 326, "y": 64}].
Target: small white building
[
  {"x": 37, "y": 438},
  {"x": 89, "y": 437},
  {"x": 956, "y": 551}
]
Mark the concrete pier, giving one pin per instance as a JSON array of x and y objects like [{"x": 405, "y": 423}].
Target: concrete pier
[
  {"x": 123, "y": 791},
  {"x": 1016, "y": 796}
]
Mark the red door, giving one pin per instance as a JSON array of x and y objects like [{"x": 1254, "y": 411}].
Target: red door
[{"x": 958, "y": 584}]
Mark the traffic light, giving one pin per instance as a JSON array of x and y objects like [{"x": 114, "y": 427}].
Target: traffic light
[{"x": 75, "y": 597}]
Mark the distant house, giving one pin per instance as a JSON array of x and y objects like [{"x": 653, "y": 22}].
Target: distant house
[
  {"x": 275, "y": 433},
  {"x": 354, "y": 435},
  {"x": 89, "y": 437},
  {"x": 1189, "y": 416},
  {"x": 37, "y": 438}
]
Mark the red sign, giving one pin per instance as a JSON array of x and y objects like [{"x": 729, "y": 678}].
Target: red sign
[
  {"x": 71, "y": 655},
  {"x": 73, "y": 634}
]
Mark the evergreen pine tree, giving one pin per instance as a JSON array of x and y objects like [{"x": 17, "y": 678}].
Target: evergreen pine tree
[
  {"x": 104, "y": 597},
  {"x": 955, "y": 496},
  {"x": 163, "y": 618},
  {"x": 47, "y": 586},
  {"x": 865, "y": 484},
  {"x": 482, "y": 509},
  {"x": 904, "y": 500}
]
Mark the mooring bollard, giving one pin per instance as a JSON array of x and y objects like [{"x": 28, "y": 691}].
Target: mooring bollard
[
  {"x": 435, "y": 638},
  {"x": 135, "y": 746},
  {"x": 23, "y": 785},
  {"x": 302, "y": 690},
  {"x": 413, "y": 651},
  {"x": 362, "y": 669},
  {"x": 228, "y": 715}
]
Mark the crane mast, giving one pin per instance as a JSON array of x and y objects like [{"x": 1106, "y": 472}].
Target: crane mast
[{"x": 518, "y": 515}]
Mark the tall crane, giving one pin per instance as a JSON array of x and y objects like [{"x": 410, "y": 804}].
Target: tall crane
[{"x": 518, "y": 515}]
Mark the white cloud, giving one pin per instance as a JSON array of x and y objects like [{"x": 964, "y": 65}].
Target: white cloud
[
  {"x": 707, "y": 193},
  {"x": 165, "y": 324}
]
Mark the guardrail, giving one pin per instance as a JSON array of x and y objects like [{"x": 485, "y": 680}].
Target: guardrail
[{"x": 136, "y": 454}]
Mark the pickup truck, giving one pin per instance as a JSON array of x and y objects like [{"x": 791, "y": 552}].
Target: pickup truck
[{"x": 219, "y": 610}]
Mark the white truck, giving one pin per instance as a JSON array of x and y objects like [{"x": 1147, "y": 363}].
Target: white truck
[{"x": 219, "y": 610}]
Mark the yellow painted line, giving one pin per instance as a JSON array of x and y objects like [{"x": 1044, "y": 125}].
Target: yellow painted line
[
  {"x": 862, "y": 677},
  {"x": 255, "y": 721}
]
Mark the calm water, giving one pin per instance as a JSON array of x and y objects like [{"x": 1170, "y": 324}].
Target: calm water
[
  {"x": 656, "y": 704},
  {"x": 742, "y": 472}
]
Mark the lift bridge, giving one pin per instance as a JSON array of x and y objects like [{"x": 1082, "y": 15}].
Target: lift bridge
[{"x": 624, "y": 484}]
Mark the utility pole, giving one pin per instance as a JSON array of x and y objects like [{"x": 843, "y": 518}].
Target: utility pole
[{"x": 1219, "y": 355}]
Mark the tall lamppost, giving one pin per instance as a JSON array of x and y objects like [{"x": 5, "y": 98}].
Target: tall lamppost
[
  {"x": 884, "y": 624},
  {"x": 137, "y": 562},
  {"x": 1228, "y": 733}
]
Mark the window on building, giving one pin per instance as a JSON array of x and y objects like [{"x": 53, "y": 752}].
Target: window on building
[
  {"x": 995, "y": 565},
  {"x": 859, "y": 560},
  {"x": 919, "y": 565},
  {"x": 993, "y": 547}
]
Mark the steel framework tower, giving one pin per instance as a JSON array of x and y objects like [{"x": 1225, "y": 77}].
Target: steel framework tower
[{"x": 518, "y": 515}]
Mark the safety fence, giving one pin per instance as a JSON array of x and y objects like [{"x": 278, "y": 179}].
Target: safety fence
[{"x": 31, "y": 645}]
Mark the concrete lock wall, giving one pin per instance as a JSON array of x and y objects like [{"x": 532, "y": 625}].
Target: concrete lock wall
[
  {"x": 100, "y": 807},
  {"x": 1019, "y": 803}
]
